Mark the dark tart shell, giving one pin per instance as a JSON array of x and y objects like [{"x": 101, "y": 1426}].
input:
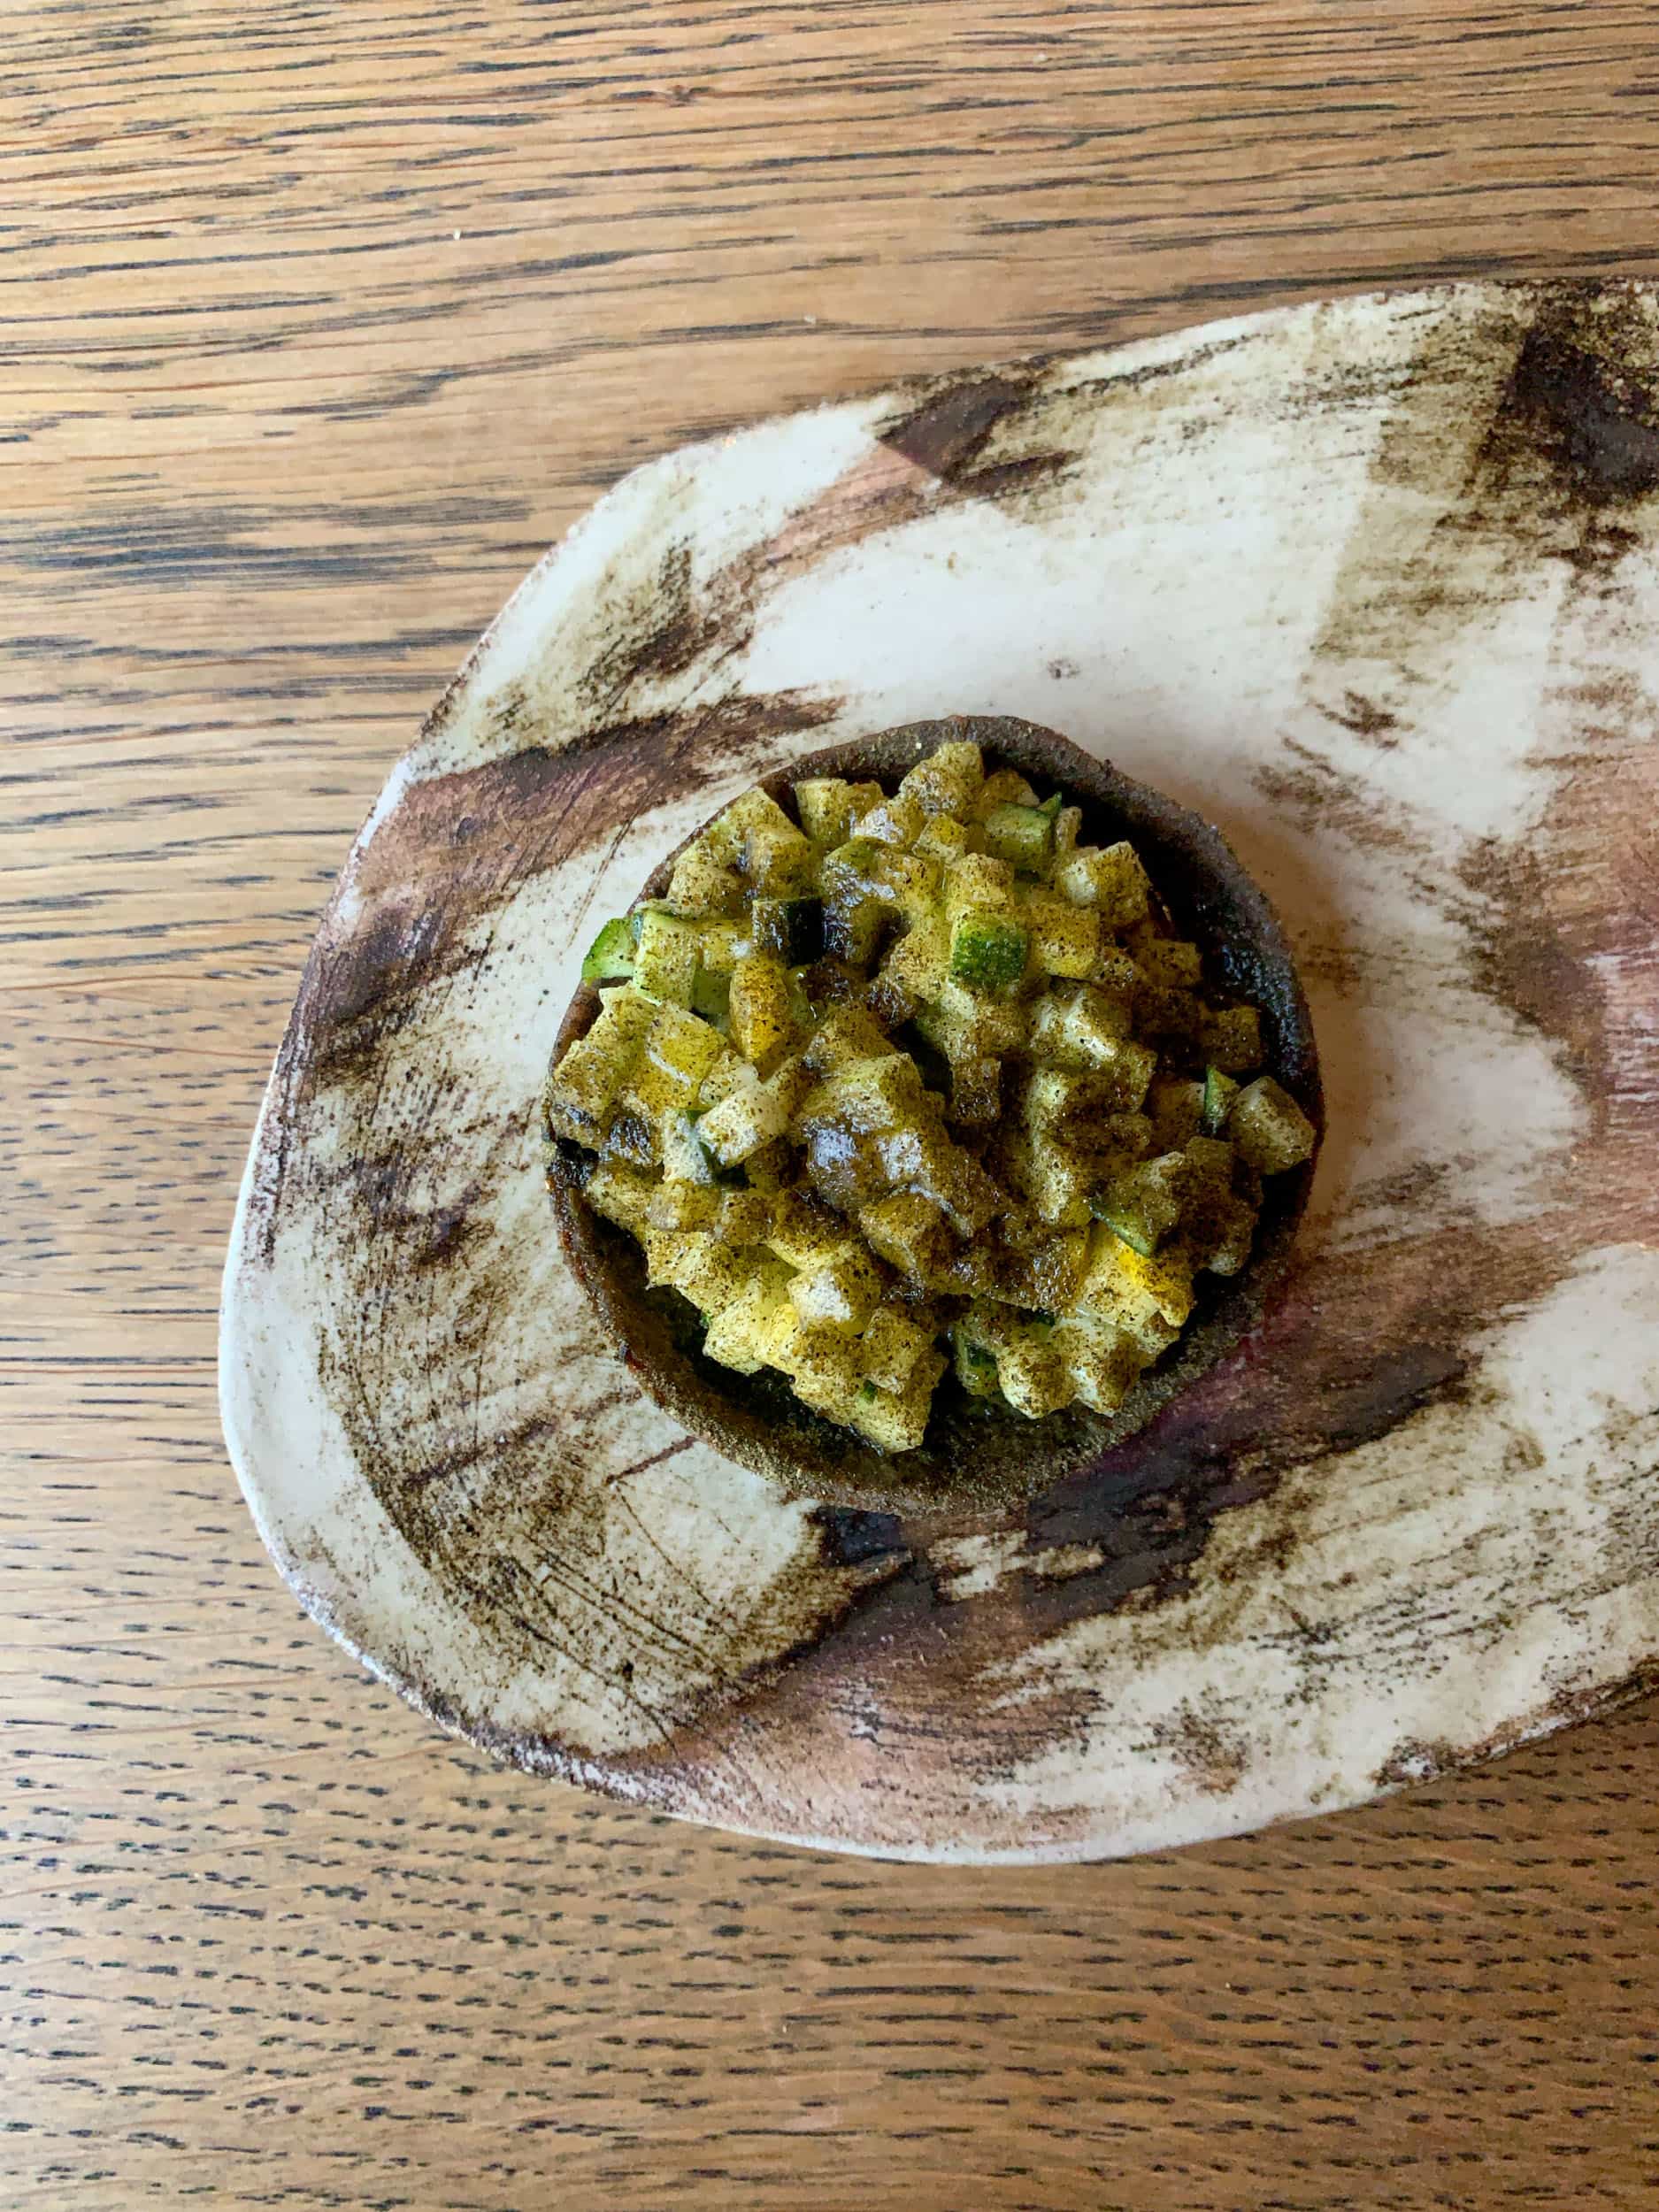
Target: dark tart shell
[{"x": 975, "y": 1454}]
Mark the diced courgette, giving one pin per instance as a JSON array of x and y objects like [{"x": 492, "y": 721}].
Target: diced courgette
[
  {"x": 824, "y": 806},
  {"x": 791, "y": 929},
  {"x": 665, "y": 965},
  {"x": 893, "y": 1346},
  {"x": 1268, "y": 1129},
  {"x": 701, "y": 885},
  {"x": 741, "y": 1124},
  {"x": 1064, "y": 939},
  {"x": 776, "y": 859},
  {"x": 758, "y": 1016},
  {"x": 609, "y": 957},
  {"x": 854, "y": 927},
  {"x": 976, "y": 1367},
  {"x": 711, "y": 996},
  {"x": 1022, "y": 835},
  {"x": 976, "y": 1092},
  {"x": 1004, "y": 786},
  {"x": 749, "y": 814},
  {"x": 1129, "y": 1233},
  {"x": 679, "y": 1053},
  {"x": 622, "y": 1194},
  {"x": 987, "y": 951},
  {"x": 897, "y": 821},
  {"x": 948, "y": 781},
  {"x": 1169, "y": 963},
  {"x": 686, "y": 1158},
  {"x": 1143, "y": 1204},
  {"x": 1219, "y": 1092},
  {"x": 1113, "y": 880},
  {"x": 981, "y": 881},
  {"x": 909, "y": 1232}
]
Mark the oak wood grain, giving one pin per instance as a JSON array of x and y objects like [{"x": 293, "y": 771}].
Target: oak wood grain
[{"x": 319, "y": 324}]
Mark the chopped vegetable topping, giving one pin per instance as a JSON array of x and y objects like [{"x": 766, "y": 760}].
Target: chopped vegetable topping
[
  {"x": 920, "y": 1082},
  {"x": 611, "y": 956}
]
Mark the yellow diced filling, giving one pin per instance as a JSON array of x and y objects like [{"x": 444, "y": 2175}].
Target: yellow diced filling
[
  {"x": 1023, "y": 1183},
  {"x": 761, "y": 1025}
]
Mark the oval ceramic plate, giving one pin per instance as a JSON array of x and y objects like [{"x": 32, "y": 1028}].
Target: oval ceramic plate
[{"x": 1373, "y": 585}]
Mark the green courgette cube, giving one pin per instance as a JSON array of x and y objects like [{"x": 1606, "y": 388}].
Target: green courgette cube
[
  {"x": 760, "y": 1013},
  {"x": 750, "y": 814},
  {"x": 920, "y": 963},
  {"x": 1091, "y": 1027},
  {"x": 908, "y": 1230},
  {"x": 1113, "y": 880},
  {"x": 584, "y": 1086},
  {"x": 776, "y": 858},
  {"x": 1102, "y": 1363},
  {"x": 1031, "y": 1373},
  {"x": 864, "y": 1096},
  {"x": 945, "y": 838},
  {"x": 980, "y": 880},
  {"x": 1218, "y": 1226},
  {"x": 1023, "y": 835},
  {"x": 987, "y": 951},
  {"x": 665, "y": 965},
  {"x": 824, "y": 806},
  {"x": 1268, "y": 1129},
  {"x": 1173, "y": 1013},
  {"x": 894, "y": 822},
  {"x": 847, "y": 1034},
  {"x": 976, "y": 1367},
  {"x": 630, "y": 1140},
  {"x": 703, "y": 884},
  {"x": 1127, "y": 1231},
  {"x": 1003, "y": 787},
  {"x": 1209, "y": 1165},
  {"x": 854, "y": 864},
  {"x": 891, "y": 1348},
  {"x": 741, "y": 1124},
  {"x": 622, "y": 1194},
  {"x": 1143, "y": 1205},
  {"x": 853, "y": 929},
  {"x": 1229, "y": 1236},
  {"x": 911, "y": 883},
  {"x": 686, "y": 1158},
  {"x": 948, "y": 781},
  {"x": 1065, "y": 938},
  {"x": 680, "y": 1052},
  {"x": 792, "y": 929},
  {"x": 711, "y": 996},
  {"x": 842, "y": 1293},
  {"x": 681, "y": 1205},
  {"x": 863, "y": 869},
  {"x": 1219, "y": 1093},
  {"x": 611, "y": 956},
  {"x": 1126, "y": 1068}
]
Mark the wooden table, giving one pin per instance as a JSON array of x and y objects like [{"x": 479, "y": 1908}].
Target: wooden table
[{"x": 320, "y": 324}]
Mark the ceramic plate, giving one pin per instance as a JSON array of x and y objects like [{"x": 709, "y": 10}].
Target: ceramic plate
[{"x": 1371, "y": 585}]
